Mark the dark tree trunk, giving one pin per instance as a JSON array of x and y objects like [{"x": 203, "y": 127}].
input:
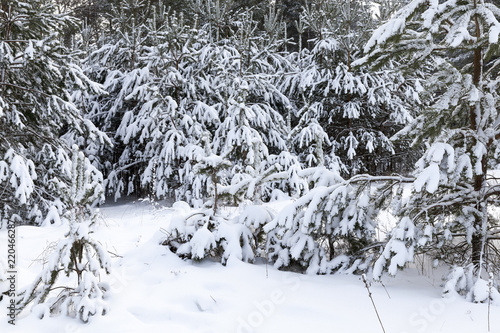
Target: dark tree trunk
[{"x": 477, "y": 236}]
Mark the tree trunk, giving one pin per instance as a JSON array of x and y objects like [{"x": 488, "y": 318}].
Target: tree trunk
[{"x": 477, "y": 236}]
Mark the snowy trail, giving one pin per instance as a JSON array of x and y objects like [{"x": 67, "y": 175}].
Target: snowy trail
[{"x": 154, "y": 291}]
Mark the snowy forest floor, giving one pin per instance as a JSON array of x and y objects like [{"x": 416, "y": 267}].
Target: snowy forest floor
[{"x": 152, "y": 290}]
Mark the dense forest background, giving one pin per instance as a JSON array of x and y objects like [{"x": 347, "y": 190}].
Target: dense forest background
[{"x": 254, "y": 82}]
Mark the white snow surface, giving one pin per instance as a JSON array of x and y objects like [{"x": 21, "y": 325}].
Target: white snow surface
[{"x": 152, "y": 290}]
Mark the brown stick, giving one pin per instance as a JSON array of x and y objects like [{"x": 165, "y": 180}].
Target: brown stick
[{"x": 373, "y": 302}]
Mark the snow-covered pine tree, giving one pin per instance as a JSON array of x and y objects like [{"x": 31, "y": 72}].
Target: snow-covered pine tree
[
  {"x": 246, "y": 100},
  {"x": 341, "y": 113},
  {"x": 93, "y": 142},
  {"x": 252, "y": 133},
  {"x": 448, "y": 213},
  {"x": 36, "y": 78},
  {"x": 217, "y": 17},
  {"x": 157, "y": 107},
  {"x": 332, "y": 227},
  {"x": 186, "y": 82},
  {"x": 114, "y": 63},
  {"x": 144, "y": 68},
  {"x": 252, "y": 128},
  {"x": 79, "y": 256},
  {"x": 212, "y": 232},
  {"x": 344, "y": 116}
]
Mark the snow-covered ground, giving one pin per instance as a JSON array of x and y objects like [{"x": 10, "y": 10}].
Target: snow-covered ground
[{"x": 152, "y": 290}]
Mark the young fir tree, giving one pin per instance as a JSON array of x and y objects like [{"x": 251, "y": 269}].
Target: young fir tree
[
  {"x": 37, "y": 75},
  {"x": 79, "y": 256},
  {"x": 448, "y": 213}
]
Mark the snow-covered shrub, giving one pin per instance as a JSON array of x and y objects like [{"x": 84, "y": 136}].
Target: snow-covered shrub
[
  {"x": 463, "y": 281},
  {"x": 204, "y": 235},
  {"x": 77, "y": 255}
]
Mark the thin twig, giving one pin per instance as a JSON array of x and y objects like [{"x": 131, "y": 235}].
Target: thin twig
[
  {"x": 116, "y": 255},
  {"x": 267, "y": 270},
  {"x": 383, "y": 285},
  {"x": 373, "y": 302}
]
